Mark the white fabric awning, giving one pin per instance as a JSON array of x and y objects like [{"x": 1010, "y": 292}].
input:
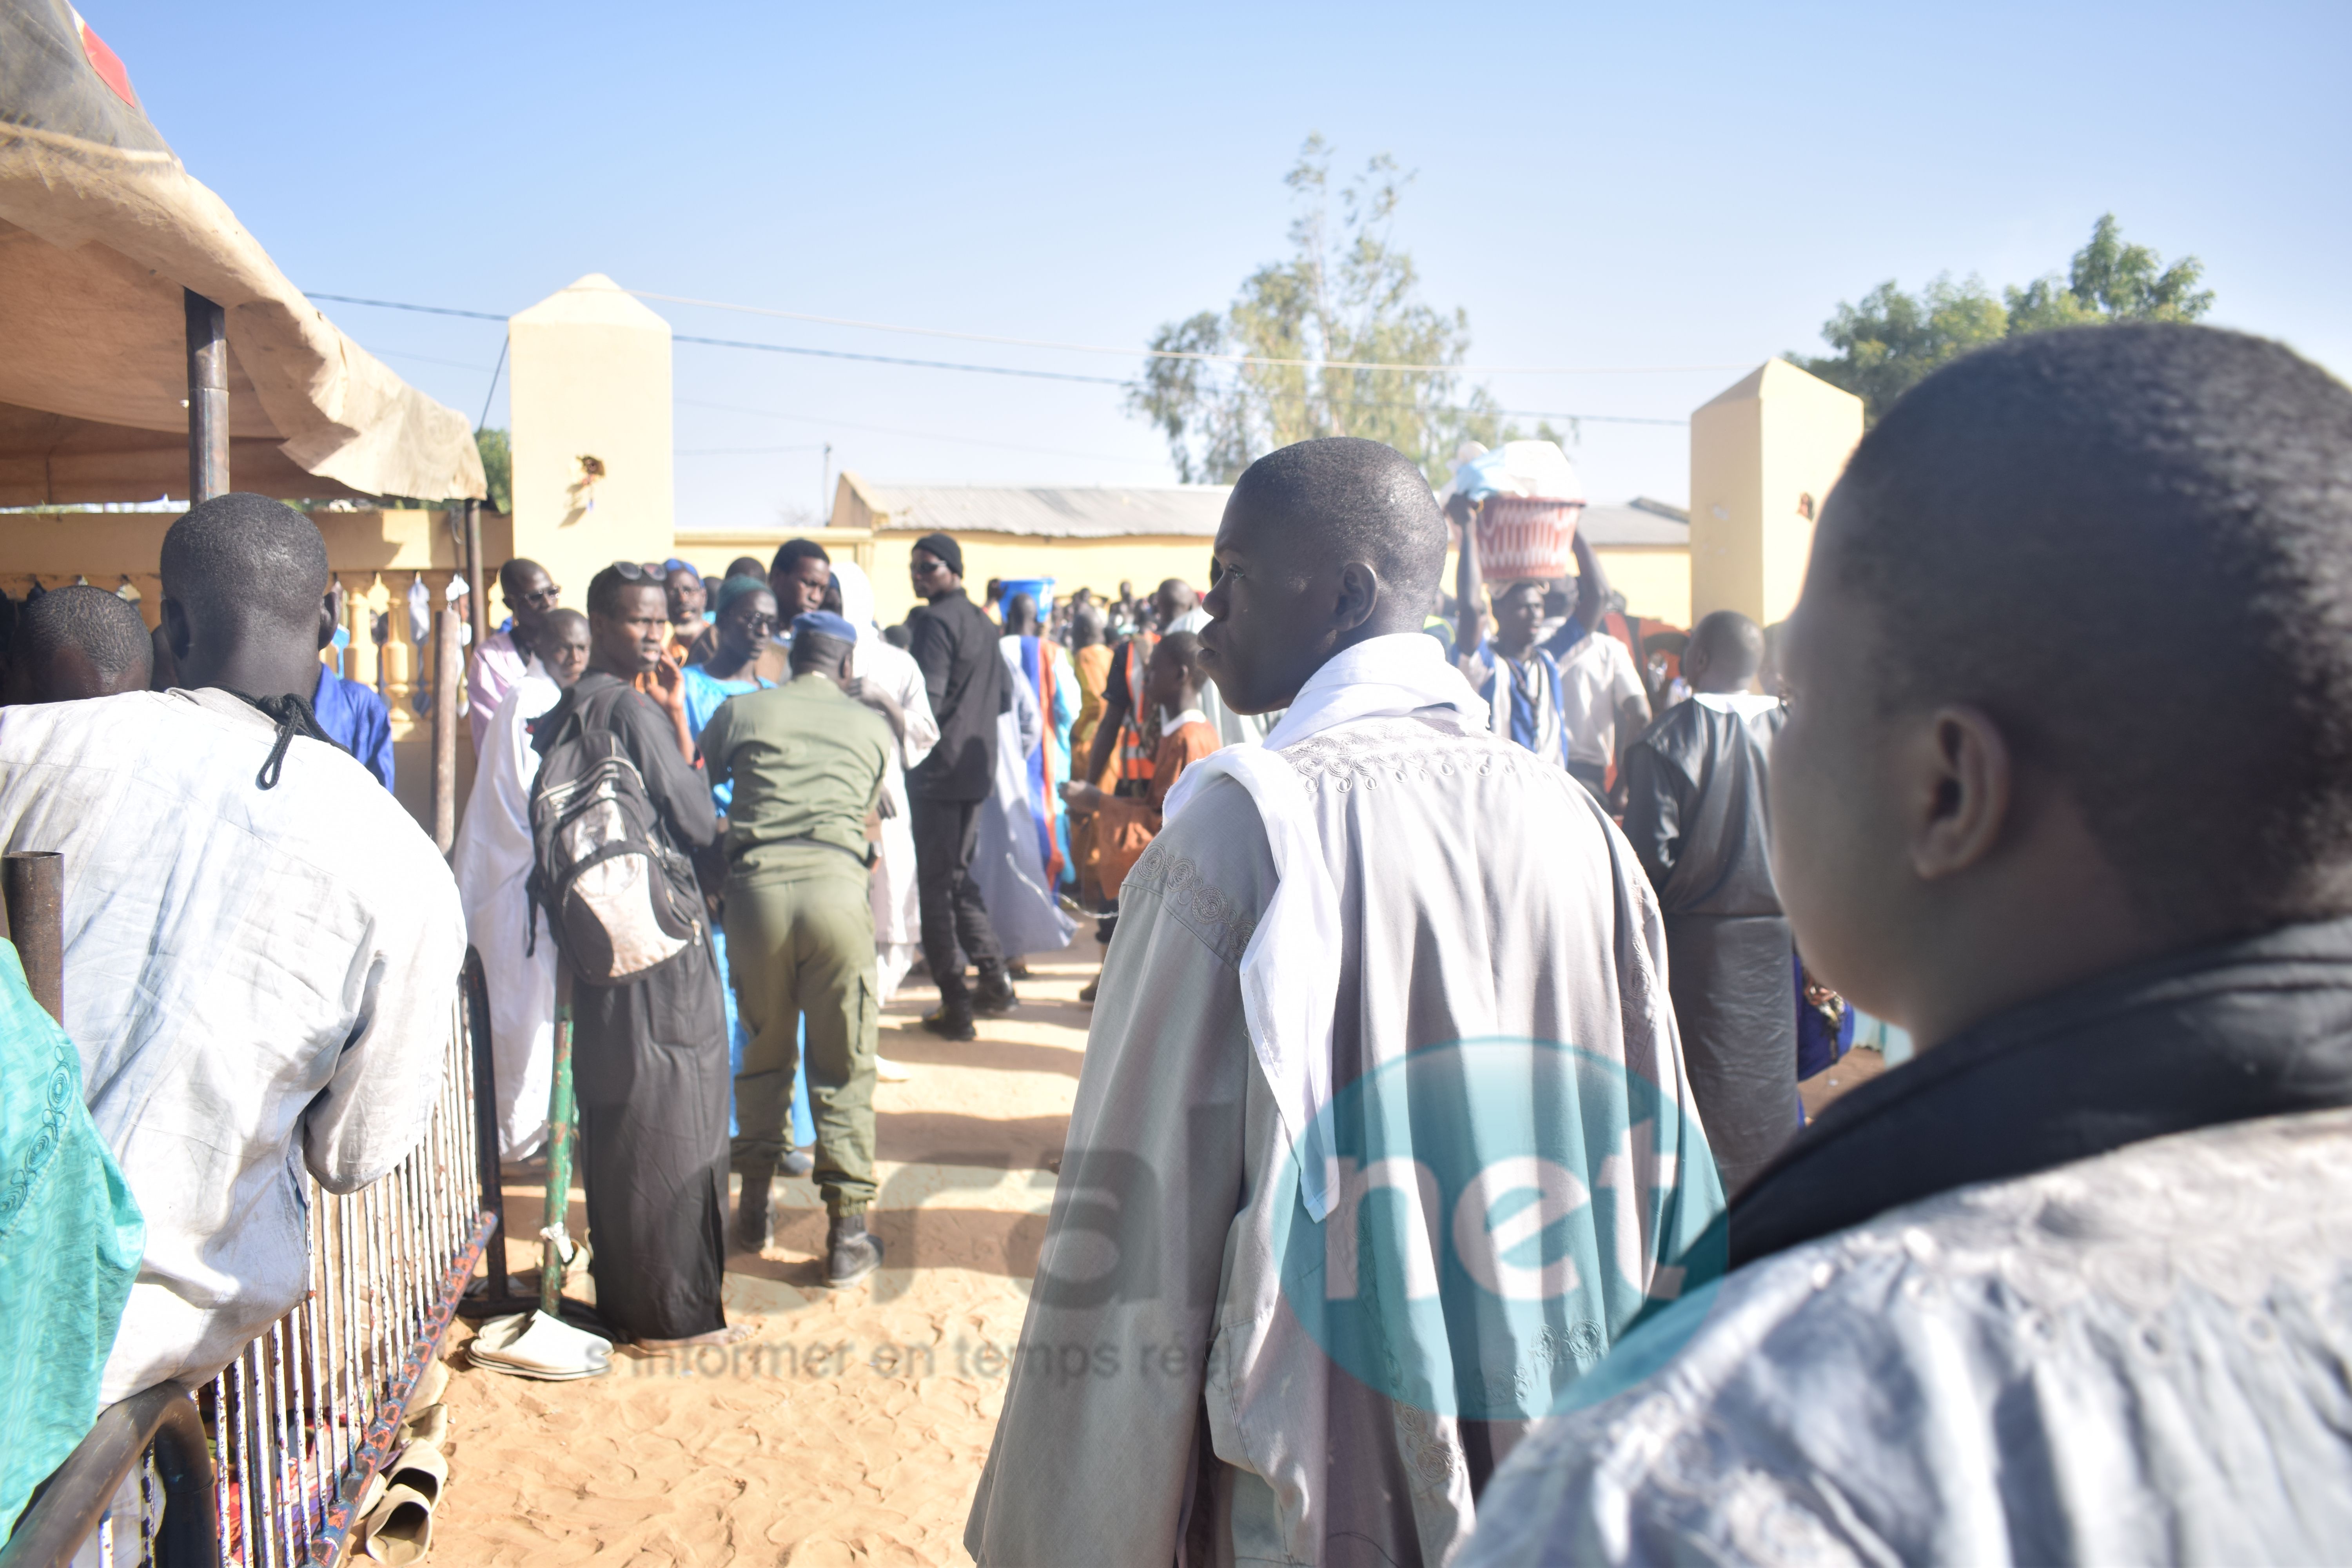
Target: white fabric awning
[{"x": 102, "y": 229}]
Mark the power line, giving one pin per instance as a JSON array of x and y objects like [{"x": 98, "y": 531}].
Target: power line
[
  {"x": 832, "y": 424},
  {"x": 1091, "y": 380},
  {"x": 397, "y": 305},
  {"x": 1179, "y": 354},
  {"x": 886, "y": 359}
]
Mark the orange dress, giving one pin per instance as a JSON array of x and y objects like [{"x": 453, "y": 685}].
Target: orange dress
[
  {"x": 1125, "y": 828},
  {"x": 1093, "y": 665}
]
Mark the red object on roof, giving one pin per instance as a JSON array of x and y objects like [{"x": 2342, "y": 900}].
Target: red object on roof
[{"x": 106, "y": 63}]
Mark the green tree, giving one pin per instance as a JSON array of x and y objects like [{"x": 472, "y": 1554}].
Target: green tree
[
  {"x": 1892, "y": 340},
  {"x": 498, "y": 466},
  {"x": 1347, "y": 294}
]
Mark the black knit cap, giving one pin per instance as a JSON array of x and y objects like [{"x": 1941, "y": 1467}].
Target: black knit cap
[{"x": 946, "y": 549}]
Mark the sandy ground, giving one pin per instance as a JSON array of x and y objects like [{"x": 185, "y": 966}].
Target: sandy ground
[{"x": 853, "y": 1427}]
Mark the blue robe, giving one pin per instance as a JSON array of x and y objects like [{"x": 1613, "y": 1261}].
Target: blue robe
[{"x": 356, "y": 719}]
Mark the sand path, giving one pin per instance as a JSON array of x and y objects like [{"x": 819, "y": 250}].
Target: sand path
[{"x": 853, "y": 1427}]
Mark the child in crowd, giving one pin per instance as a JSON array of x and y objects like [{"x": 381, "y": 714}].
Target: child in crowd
[{"x": 1123, "y": 827}]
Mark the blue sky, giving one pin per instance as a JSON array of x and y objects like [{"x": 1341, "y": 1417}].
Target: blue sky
[{"x": 1597, "y": 186}]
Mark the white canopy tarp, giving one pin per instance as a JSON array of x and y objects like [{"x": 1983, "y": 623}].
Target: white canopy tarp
[{"x": 102, "y": 229}]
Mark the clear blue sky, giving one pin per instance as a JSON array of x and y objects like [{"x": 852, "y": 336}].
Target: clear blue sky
[{"x": 1619, "y": 185}]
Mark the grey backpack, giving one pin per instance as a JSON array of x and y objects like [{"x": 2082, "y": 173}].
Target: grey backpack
[{"x": 621, "y": 904}]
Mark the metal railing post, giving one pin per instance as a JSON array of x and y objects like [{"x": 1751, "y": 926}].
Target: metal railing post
[
  {"x": 32, "y": 881},
  {"x": 449, "y": 666},
  {"x": 77, "y": 1495},
  {"x": 207, "y": 398},
  {"x": 477, "y": 606}
]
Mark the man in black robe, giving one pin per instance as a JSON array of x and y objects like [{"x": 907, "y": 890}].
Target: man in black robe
[
  {"x": 968, "y": 684},
  {"x": 1695, "y": 809},
  {"x": 649, "y": 1058}
]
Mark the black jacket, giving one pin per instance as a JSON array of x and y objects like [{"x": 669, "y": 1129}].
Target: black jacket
[
  {"x": 2260, "y": 1027},
  {"x": 965, "y": 675}
]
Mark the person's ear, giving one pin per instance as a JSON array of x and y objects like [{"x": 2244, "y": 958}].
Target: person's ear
[
  {"x": 1359, "y": 595},
  {"x": 1962, "y": 781},
  {"x": 1694, "y": 664},
  {"x": 177, "y": 634}
]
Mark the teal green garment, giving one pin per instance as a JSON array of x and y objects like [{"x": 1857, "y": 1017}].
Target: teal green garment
[{"x": 70, "y": 1239}]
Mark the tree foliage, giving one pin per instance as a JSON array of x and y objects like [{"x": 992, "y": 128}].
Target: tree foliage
[
  {"x": 498, "y": 466},
  {"x": 1892, "y": 340},
  {"x": 1347, "y": 294}
]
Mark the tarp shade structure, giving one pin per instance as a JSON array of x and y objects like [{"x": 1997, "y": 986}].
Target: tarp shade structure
[{"x": 100, "y": 231}]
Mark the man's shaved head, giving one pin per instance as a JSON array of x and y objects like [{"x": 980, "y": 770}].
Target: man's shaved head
[
  {"x": 1362, "y": 500},
  {"x": 516, "y": 577},
  {"x": 2131, "y": 548},
  {"x": 78, "y": 642},
  {"x": 1324, "y": 544},
  {"x": 1725, "y": 651},
  {"x": 242, "y": 560},
  {"x": 1172, "y": 599}
]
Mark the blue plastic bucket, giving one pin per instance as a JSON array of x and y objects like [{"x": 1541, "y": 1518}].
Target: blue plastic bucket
[{"x": 1040, "y": 589}]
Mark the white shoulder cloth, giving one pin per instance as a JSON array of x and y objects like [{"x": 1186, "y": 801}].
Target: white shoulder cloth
[{"x": 1290, "y": 971}]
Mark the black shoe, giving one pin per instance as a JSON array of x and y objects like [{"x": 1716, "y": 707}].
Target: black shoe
[
  {"x": 798, "y": 1163},
  {"x": 850, "y": 1253},
  {"x": 995, "y": 996},
  {"x": 951, "y": 1021},
  {"x": 752, "y": 1229},
  {"x": 1086, "y": 992}
]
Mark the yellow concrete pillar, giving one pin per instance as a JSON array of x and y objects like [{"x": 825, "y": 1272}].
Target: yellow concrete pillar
[
  {"x": 589, "y": 406},
  {"x": 1763, "y": 458}
]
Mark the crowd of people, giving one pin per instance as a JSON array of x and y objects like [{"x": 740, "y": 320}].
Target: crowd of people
[{"x": 1438, "y": 1187}]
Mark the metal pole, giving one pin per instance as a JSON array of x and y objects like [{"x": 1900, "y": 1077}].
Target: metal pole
[
  {"x": 207, "y": 398},
  {"x": 485, "y": 1115},
  {"x": 479, "y": 606},
  {"x": 448, "y": 659},
  {"x": 34, "y": 883},
  {"x": 555, "y": 1240}
]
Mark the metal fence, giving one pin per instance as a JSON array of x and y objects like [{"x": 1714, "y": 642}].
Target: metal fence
[{"x": 302, "y": 1420}]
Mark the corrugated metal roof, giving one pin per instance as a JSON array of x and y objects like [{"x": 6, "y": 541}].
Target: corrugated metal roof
[
  {"x": 1190, "y": 511},
  {"x": 1185, "y": 511},
  {"x": 1627, "y": 526}
]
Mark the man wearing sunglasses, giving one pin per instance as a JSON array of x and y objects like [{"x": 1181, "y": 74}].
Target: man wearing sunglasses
[
  {"x": 968, "y": 684},
  {"x": 504, "y": 656}
]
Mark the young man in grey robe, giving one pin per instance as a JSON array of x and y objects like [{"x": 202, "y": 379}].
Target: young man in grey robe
[
  {"x": 1382, "y": 1134},
  {"x": 2070, "y": 1286}
]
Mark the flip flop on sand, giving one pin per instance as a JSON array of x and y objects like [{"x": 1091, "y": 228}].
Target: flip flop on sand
[
  {"x": 532, "y": 1345},
  {"x": 429, "y": 1425},
  {"x": 400, "y": 1529},
  {"x": 431, "y": 1385}
]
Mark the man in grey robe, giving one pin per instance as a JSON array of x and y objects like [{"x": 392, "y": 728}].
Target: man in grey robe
[
  {"x": 1694, "y": 809},
  {"x": 2070, "y": 1286},
  {"x": 1383, "y": 1134}
]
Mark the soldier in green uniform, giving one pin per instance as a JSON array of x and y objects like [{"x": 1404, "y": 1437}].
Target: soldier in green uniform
[{"x": 806, "y": 760}]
